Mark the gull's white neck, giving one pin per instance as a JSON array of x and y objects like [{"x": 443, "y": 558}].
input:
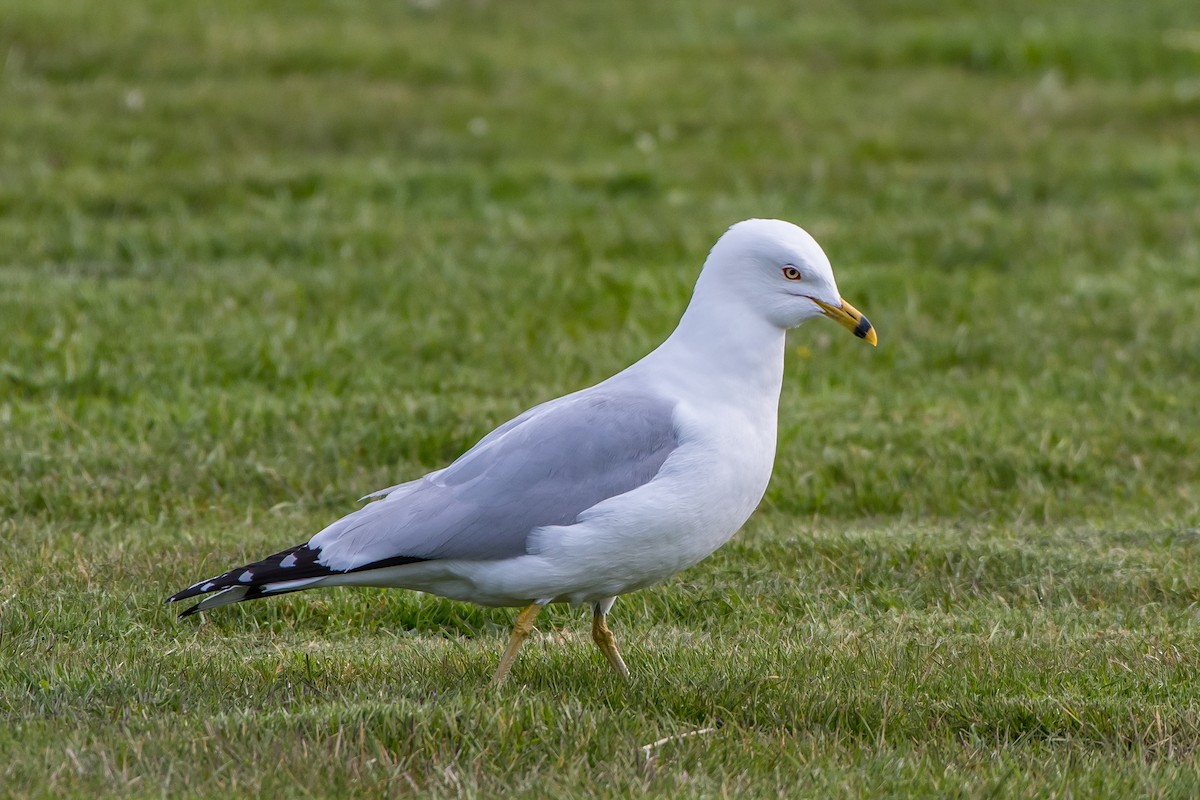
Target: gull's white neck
[{"x": 722, "y": 347}]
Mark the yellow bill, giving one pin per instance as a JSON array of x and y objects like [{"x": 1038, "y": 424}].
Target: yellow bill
[{"x": 851, "y": 319}]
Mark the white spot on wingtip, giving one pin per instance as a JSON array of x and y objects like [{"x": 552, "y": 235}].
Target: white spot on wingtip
[
  {"x": 246, "y": 576},
  {"x": 290, "y": 561},
  {"x": 207, "y": 586}
]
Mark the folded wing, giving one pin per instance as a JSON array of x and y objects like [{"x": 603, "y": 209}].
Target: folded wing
[
  {"x": 540, "y": 469},
  {"x": 543, "y": 468}
]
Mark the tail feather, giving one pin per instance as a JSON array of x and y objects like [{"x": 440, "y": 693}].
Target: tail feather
[
  {"x": 222, "y": 598},
  {"x": 236, "y": 594}
]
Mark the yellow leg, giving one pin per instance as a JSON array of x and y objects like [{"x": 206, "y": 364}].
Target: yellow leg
[
  {"x": 520, "y": 633},
  {"x": 604, "y": 639}
]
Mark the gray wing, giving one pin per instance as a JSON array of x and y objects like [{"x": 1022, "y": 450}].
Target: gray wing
[{"x": 542, "y": 468}]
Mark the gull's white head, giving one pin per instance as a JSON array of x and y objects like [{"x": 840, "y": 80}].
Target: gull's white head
[{"x": 777, "y": 269}]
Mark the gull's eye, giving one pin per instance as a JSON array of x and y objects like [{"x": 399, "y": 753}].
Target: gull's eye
[{"x": 791, "y": 273}]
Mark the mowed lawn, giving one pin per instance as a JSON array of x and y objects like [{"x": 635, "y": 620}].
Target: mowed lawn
[{"x": 258, "y": 259}]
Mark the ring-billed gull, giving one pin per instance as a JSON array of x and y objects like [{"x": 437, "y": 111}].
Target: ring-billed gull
[{"x": 603, "y": 491}]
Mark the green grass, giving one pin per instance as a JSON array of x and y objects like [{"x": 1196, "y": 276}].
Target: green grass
[{"x": 258, "y": 259}]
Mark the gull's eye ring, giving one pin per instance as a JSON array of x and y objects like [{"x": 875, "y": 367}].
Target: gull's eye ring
[{"x": 791, "y": 273}]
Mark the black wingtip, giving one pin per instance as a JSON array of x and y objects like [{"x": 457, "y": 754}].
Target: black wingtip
[
  {"x": 183, "y": 595},
  {"x": 193, "y": 590},
  {"x": 295, "y": 563}
]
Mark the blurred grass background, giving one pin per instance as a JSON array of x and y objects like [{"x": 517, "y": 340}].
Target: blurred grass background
[{"x": 257, "y": 259}]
